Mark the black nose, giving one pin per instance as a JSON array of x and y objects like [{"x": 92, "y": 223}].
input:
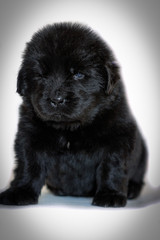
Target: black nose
[{"x": 57, "y": 101}]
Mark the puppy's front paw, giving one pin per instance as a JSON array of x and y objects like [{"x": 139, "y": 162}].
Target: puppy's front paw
[
  {"x": 17, "y": 196},
  {"x": 109, "y": 200}
]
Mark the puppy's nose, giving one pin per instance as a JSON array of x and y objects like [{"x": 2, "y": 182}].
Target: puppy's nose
[{"x": 57, "y": 101}]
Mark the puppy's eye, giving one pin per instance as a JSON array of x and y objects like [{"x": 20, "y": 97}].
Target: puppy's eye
[{"x": 78, "y": 76}]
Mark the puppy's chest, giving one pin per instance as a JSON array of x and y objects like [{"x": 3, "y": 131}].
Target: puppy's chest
[
  {"x": 73, "y": 166},
  {"x": 64, "y": 143},
  {"x": 61, "y": 143},
  {"x": 78, "y": 151},
  {"x": 75, "y": 144}
]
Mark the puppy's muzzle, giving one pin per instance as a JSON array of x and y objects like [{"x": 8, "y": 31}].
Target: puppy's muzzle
[{"x": 57, "y": 101}]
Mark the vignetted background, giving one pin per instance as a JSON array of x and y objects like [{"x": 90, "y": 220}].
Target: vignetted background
[{"x": 132, "y": 30}]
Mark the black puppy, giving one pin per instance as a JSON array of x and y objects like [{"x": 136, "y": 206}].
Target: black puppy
[{"x": 76, "y": 132}]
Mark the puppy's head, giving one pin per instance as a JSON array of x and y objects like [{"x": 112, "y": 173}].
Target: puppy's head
[{"x": 68, "y": 74}]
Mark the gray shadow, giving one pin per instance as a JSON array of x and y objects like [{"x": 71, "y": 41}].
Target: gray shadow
[{"x": 149, "y": 196}]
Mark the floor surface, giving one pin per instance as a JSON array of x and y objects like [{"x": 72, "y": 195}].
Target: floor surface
[{"x": 72, "y": 218}]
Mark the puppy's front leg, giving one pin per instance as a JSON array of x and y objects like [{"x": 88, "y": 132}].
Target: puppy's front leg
[
  {"x": 111, "y": 182},
  {"x": 29, "y": 178}
]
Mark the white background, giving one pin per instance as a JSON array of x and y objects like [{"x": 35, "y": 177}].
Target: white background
[{"x": 132, "y": 30}]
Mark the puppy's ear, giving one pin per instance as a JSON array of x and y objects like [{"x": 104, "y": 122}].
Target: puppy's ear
[
  {"x": 113, "y": 76},
  {"x": 21, "y": 82}
]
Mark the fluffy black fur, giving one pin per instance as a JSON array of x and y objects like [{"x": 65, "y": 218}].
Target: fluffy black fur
[{"x": 76, "y": 133}]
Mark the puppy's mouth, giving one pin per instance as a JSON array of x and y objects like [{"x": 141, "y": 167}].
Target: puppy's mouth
[
  {"x": 58, "y": 117},
  {"x": 60, "y": 121},
  {"x": 71, "y": 125}
]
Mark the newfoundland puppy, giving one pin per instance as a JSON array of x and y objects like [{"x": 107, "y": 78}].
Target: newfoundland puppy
[{"x": 76, "y": 133}]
